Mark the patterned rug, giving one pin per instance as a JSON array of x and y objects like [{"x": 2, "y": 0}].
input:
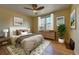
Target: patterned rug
[
  {"x": 3, "y": 50},
  {"x": 19, "y": 51}
]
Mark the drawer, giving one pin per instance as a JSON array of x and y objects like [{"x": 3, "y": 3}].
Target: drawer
[{"x": 50, "y": 35}]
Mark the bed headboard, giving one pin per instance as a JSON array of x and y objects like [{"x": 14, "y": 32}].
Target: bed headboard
[{"x": 13, "y": 29}]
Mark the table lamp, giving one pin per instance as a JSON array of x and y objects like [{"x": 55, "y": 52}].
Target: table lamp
[{"x": 5, "y": 32}]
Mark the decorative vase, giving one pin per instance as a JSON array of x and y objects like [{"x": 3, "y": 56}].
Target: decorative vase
[{"x": 61, "y": 40}]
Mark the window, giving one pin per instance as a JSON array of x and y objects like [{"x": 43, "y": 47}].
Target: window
[{"x": 45, "y": 23}]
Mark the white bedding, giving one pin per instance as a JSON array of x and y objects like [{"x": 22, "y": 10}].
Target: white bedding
[{"x": 31, "y": 43}]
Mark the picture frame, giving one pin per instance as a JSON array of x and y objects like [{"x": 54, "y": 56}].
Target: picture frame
[
  {"x": 73, "y": 19},
  {"x": 18, "y": 21},
  {"x": 60, "y": 20}
]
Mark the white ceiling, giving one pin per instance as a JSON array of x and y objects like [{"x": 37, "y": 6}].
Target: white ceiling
[{"x": 48, "y": 8}]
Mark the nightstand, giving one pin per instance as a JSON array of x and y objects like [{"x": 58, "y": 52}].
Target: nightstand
[{"x": 4, "y": 41}]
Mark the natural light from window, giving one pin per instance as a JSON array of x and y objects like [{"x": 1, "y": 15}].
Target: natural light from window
[{"x": 46, "y": 23}]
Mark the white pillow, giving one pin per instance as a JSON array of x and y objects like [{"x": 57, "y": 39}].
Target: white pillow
[{"x": 24, "y": 33}]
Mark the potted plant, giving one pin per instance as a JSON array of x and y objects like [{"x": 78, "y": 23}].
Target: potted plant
[{"x": 61, "y": 30}]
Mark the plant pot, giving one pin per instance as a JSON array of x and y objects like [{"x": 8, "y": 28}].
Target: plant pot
[{"x": 61, "y": 40}]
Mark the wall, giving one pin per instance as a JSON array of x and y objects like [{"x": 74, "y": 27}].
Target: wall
[
  {"x": 75, "y": 33},
  {"x": 6, "y": 18},
  {"x": 35, "y": 24},
  {"x": 66, "y": 13}
]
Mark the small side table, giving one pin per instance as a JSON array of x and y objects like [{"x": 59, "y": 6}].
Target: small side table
[{"x": 4, "y": 41}]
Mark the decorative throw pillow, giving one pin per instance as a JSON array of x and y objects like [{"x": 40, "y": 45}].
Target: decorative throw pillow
[
  {"x": 18, "y": 32},
  {"x": 24, "y": 33}
]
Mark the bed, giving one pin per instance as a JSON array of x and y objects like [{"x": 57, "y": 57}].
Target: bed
[{"x": 27, "y": 41}]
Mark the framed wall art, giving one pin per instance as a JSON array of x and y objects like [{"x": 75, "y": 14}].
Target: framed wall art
[
  {"x": 60, "y": 20},
  {"x": 73, "y": 19},
  {"x": 18, "y": 21}
]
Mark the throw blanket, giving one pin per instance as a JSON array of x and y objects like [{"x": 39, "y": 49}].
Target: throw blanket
[{"x": 18, "y": 40}]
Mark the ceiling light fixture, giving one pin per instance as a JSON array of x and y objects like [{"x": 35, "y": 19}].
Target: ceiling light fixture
[
  {"x": 35, "y": 12},
  {"x": 35, "y": 8}
]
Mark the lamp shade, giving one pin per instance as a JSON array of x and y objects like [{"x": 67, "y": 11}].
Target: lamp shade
[{"x": 5, "y": 30}]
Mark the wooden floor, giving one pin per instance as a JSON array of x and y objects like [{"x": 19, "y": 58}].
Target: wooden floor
[{"x": 54, "y": 48}]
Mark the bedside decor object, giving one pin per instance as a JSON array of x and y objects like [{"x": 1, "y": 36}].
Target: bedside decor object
[
  {"x": 73, "y": 19},
  {"x": 5, "y": 32},
  {"x": 18, "y": 21},
  {"x": 61, "y": 31}
]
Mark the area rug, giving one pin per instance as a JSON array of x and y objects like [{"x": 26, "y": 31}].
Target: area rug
[{"x": 19, "y": 51}]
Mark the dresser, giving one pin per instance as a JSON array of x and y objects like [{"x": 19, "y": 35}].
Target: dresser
[{"x": 49, "y": 34}]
